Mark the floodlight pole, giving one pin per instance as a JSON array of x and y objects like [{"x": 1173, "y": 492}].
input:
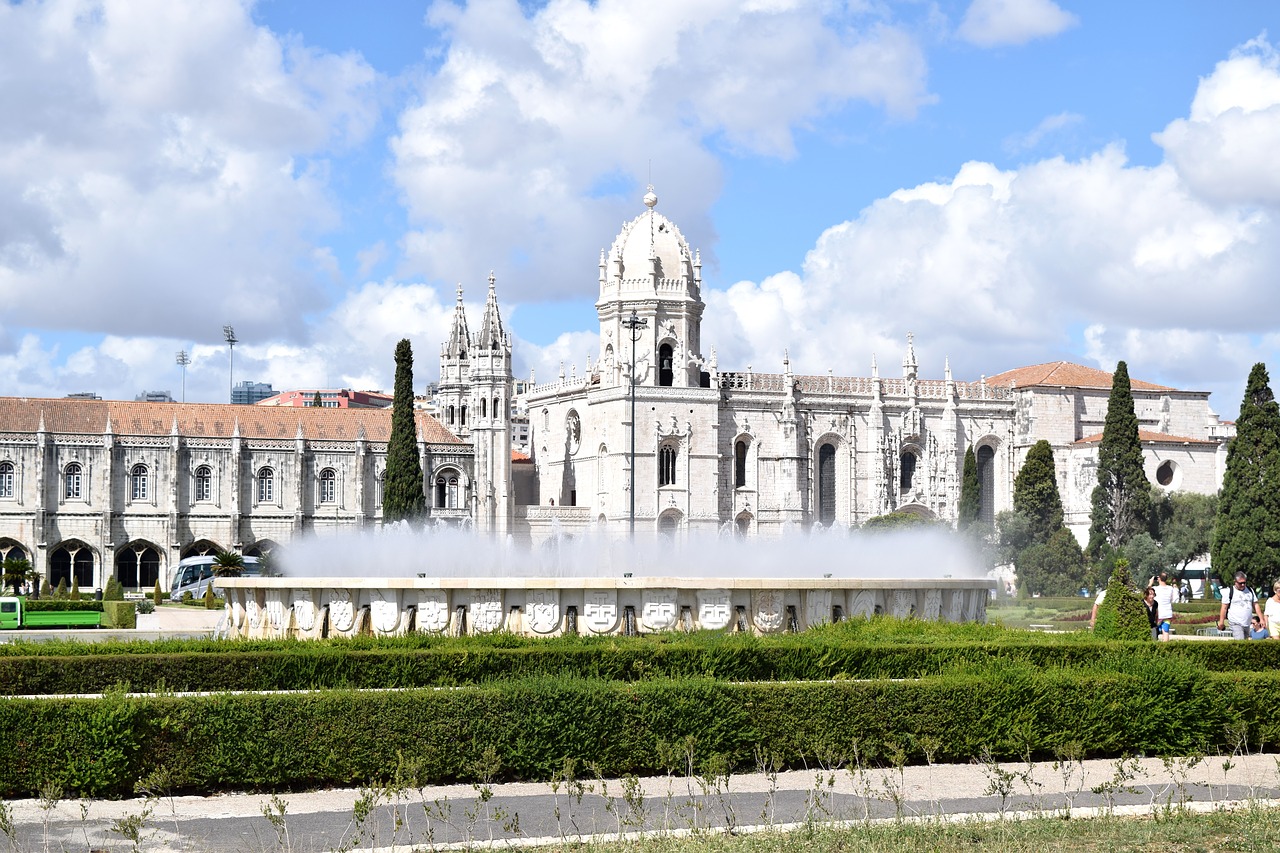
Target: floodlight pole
[
  {"x": 229, "y": 335},
  {"x": 183, "y": 360},
  {"x": 635, "y": 326}
]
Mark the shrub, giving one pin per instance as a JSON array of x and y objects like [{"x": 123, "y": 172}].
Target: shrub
[
  {"x": 209, "y": 600},
  {"x": 46, "y": 591},
  {"x": 187, "y": 597},
  {"x": 63, "y": 605},
  {"x": 75, "y": 588},
  {"x": 156, "y": 594},
  {"x": 119, "y": 614},
  {"x": 61, "y": 591},
  {"x": 146, "y": 605},
  {"x": 1122, "y": 614},
  {"x": 113, "y": 591}
]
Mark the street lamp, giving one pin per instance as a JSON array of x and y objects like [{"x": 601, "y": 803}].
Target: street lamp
[
  {"x": 636, "y": 327},
  {"x": 183, "y": 361},
  {"x": 229, "y": 335}
]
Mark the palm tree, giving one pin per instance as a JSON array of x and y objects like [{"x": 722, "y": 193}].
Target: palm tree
[
  {"x": 228, "y": 564},
  {"x": 16, "y": 571}
]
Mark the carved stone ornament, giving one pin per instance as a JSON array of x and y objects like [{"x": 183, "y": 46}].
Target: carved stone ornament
[
  {"x": 658, "y": 611},
  {"x": 253, "y": 613},
  {"x": 342, "y": 611},
  {"x": 384, "y": 610},
  {"x": 573, "y": 432},
  {"x": 304, "y": 610},
  {"x": 277, "y": 613},
  {"x": 932, "y": 604},
  {"x": 600, "y": 610},
  {"x": 817, "y": 607},
  {"x": 433, "y": 611},
  {"x": 955, "y": 606},
  {"x": 904, "y": 601},
  {"x": 864, "y": 605},
  {"x": 769, "y": 610},
  {"x": 714, "y": 609},
  {"x": 542, "y": 610},
  {"x": 486, "y": 610}
]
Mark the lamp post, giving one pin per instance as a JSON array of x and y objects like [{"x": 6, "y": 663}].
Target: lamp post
[
  {"x": 183, "y": 360},
  {"x": 229, "y": 335},
  {"x": 635, "y": 326}
]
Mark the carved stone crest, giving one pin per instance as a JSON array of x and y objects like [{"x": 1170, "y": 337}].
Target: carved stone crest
[
  {"x": 932, "y": 604},
  {"x": 864, "y": 604},
  {"x": 384, "y": 610},
  {"x": 433, "y": 611},
  {"x": 769, "y": 611},
  {"x": 904, "y": 601},
  {"x": 277, "y": 614},
  {"x": 658, "y": 611},
  {"x": 955, "y": 606},
  {"x": 342, "y": 612},
  {"x": 304, "y": 610},
  {"x": 253, "y": 613},
  {"x": 817, "y": 607},
  {"x": 714, "y": 609},
  {"x": 542, "y": 609},
  {"x": 486, "y": 610},
  {"x": 600, "y": 610}
]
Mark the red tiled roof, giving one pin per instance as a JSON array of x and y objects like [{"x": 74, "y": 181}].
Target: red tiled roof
[
  {"x": 1158, "y": 437},
  {"x": 1064, "y": 373},
  {"x": 517, "y": 456},
  {"x": 213, "y": 420}
]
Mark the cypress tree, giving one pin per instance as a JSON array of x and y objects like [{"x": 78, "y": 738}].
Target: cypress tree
[
  {"x": 316, "y": 402},
  {"x": 970, "y": 492},
  {"x": 1122, "y": 498},
  {"x": 1035, "y": 493},
  {"x": 1247, "y": 538},
  {"x": 404, "y": 498}
]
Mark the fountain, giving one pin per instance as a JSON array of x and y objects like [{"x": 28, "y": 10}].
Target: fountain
[{"x": 452, "y": 581}]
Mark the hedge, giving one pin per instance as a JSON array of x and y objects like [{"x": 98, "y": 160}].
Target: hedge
[
  {"x": 61, "y": 605},
  {"x": 119, "y": 614},
  {"x": 222, "y": 742},
  {"x": 317, "y": 665}
]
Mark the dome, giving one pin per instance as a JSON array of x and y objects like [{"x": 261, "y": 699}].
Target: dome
[{"x": 650, "y": 236}]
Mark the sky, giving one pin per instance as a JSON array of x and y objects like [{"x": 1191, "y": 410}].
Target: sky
[{"x": 1010, "y": 181}]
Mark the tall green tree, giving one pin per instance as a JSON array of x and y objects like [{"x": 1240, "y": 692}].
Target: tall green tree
[
  {"x": 317, "y": 402},
  {"x": 404, "y": 499},
  {"x": 1122, "y": 498},
  {"x": 1184, "y": 523},
  {"x": 970, "y": 492},
  {"x": 1247, "y": 538},
  {"x": 1035, "y": 493}
]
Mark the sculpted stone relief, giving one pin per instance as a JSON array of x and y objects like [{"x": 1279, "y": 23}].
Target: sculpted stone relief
[
  {"x": 600, "y": 610},
  {"x": 253, "y": 613},
  {"x": 304, "y": 610},
  {"x": 769, "y": 610},
  {"x": 658, "y": 611},
  {"x": 433, "y": 611},
  {"x": 277, "y": 614},
  {"x": 715, "y": 609},
  {"x": 904, "y": 601},
  {"x": 542, "y": 610},
  {"x": 342, "y": 611},
  {"x": 486, "y": 610},
  {"x": 817, "y": 607},
  {"x": 384, "y": 610},
  {"x": 932, "y": 604},
  {"x": 955, "y": 605},
  {"x": 864, "y": 604}
]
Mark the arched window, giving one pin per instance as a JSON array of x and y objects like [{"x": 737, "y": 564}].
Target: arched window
[
  {"x": 266, "y": 485},
  {"x": 668, "y": 525},
  {"x": 986, "y": 484},
  {"x": 666, "y": 465},
  {"x": 739, "y": 464},
  {"x": 72, "y": 561},
  {"x": 138, "y": 483},
  {"x": 446, "y": 496},
  {"x": 452, "y": 416},
  {"x": 484, "y": 407},
  {"x": 600, "y": 467},
  {"x": 453, "y": 493},
  {"x": 204, "y": 483},
  {"x": 497, "y": 413},
  {"x": 826, "y": 484},
  {"x": 907, "y": 471},
  {"x": 666, "y": 371},
  {"x": 72, "y": 476},
  {"x": 6, "y": 479},
  {"x": 742, "y": 525},
  {"x": 441, "y": 482},
  {"x": 138, "y": 567},
  {"x": 328, "y": 486},
  {"x": 463, "y": 421}
]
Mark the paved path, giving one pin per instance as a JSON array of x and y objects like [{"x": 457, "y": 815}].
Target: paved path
[{"x": 525, "y": 813}]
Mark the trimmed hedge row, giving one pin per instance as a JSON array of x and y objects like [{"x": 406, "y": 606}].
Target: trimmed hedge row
[
  {"x": 307, "y": 666},
  {"x": 226, "y": 742},
  {"x": 61, "y": 605}
]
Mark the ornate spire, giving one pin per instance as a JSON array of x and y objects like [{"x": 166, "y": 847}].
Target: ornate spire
[
  {"x": 910, "y": 367},
  {"x": 491, "y": 334},
  {"x": 459, "y": 338},
  {"x": 947, "y": 371},
  {"x": 875, "y": 368}
]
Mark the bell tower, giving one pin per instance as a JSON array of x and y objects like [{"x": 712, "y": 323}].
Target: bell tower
[{"x": 490, "y": 414}]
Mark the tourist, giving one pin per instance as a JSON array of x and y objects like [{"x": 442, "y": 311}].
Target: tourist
[
  {"x": 1149, "y": 599},
  {"x": 1238, "y": 604},
  {"x": 1097, "y": 602},
  {"x": 1272, "y": 610},
  {"x": 1164, "y": 605},
  {"x": 1256, "y": 631}
]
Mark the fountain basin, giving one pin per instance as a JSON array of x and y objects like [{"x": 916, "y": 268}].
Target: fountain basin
[{"x": 318, "y": 607}]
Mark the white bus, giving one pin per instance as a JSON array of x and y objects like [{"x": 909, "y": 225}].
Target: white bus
[{"x": 194, "y": 574}]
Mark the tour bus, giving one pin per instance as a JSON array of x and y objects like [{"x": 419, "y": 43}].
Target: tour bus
[{"x": 194, "y": 574}]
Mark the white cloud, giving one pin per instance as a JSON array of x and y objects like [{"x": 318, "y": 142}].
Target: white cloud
[
  {"x": 991, "y": 23},
  {"x": 536, "y": 130},
  {"x": 1050, "y": 126}
]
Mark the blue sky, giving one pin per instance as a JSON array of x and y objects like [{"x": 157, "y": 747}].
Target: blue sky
[{"x": 1013, "y": 181}]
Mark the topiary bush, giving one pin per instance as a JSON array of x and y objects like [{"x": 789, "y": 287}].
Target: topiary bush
[
  {"x": 209, "y": 601},
  {"x": 75, "y": 589},
  {"x": 156, "y": 595},
  {"x": 61, "y": 591},
  {"x": 113, "y": 591},
  {"x": 1122, "y": 614}
]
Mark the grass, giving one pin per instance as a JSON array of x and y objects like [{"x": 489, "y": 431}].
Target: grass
[{"x": 1256, "y": 827}]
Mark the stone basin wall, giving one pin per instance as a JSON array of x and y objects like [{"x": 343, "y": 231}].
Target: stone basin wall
[{"x": 546, "y": 607}]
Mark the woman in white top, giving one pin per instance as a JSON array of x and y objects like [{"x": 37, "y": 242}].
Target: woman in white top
[{"x": 1272, "y": 611}]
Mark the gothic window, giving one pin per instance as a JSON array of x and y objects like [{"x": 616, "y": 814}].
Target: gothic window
[
  {"x": 986, "y": 485},
  {"x": 453, "y": 493},
  {"x": 742, "y": 525},
  {"x": 72, "y": 477},
  {"x": 138, "y": 483},
  {"x": 667, "y": 465},
  {"x": 266, "y": 486},
  {"x": 484, "y": 407},
  {"x": 446, "y": 496},
  {"x": 440, "y": 492},
  {"x": 667, "y": 525},
  {"x": 600, "y": 467},
  {"x": 71, "y": 561},
  {"x": 463, "y": 422},
  {"x": 546, "y": 420},
  {"x": 496, "y": 413},
  {"x": 666, "y": 372},
  {"x": 740, "y": 464},
  {"x": 6, "y": 479},
  {"x": 907, "y": 471},
  {"x": 452, "y": 418},
  {"x": 204, "y": 483},
  {"x": 328, "y": 486},
  {"x": 138, "y": 567},
  {"x": 827, "y": 485}
]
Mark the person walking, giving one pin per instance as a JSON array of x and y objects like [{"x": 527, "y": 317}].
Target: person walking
[
  {"x": 1238, "y": 606},
  {"x": 1149, "y": 601},
  {"x": 1165, "y": 594},
  {"x": 1272, "y": 611}
]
